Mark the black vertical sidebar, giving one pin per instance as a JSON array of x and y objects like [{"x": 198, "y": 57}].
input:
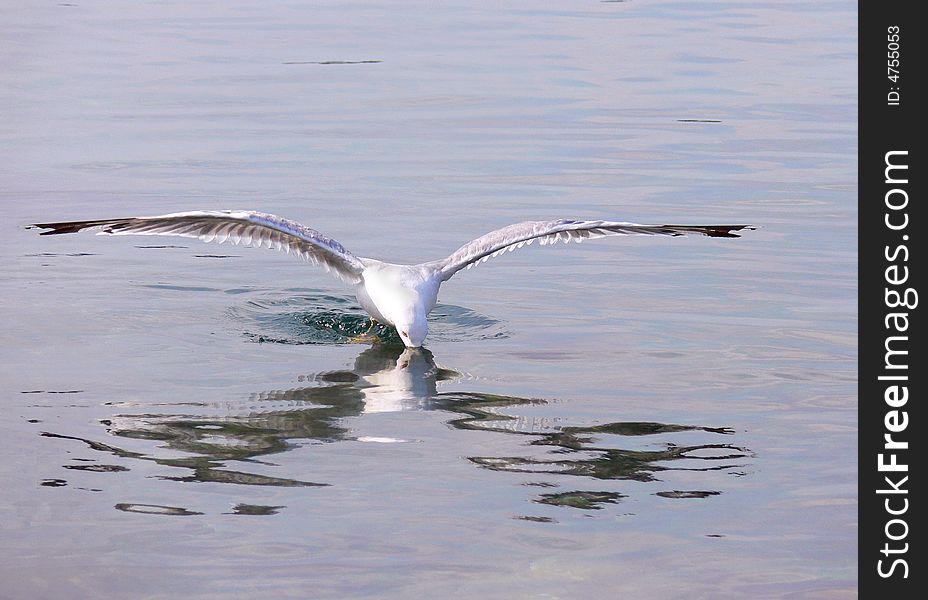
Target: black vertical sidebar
[{"x": 891, "y": 272}]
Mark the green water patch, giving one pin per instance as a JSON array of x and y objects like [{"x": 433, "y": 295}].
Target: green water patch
[{"x": 324, "y": 318}]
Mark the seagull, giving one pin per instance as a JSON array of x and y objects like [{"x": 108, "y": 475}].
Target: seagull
[{"x": 398, "y": 295}]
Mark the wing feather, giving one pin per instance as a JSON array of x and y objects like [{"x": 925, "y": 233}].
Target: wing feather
[
  {"x": 522, "y": 234},
  {"x": 247, "y": 228}
]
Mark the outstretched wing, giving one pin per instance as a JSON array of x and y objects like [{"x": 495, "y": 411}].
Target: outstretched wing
[
  {"x": 550, "y": 232},
  {"x": 247, "y": 228}
]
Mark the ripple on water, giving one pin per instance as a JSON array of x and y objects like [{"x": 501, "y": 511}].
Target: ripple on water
[
  {"x": 324, "y": 318},
  {"x": 228, "y": 442},
  {"x": 254, "y": 509},
  {"x": 582, "y": 500},
  {"x": 156, "y": 509}
]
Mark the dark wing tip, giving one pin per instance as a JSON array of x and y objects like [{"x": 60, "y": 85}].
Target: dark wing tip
[
  {"x": 56, "y": 228},
  {"x": 70, "y": 226},
  {"x": 726, "y": 231}
]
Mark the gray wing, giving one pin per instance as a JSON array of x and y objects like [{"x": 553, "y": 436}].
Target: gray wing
[
  {"x": 550, "y": 232},
  {"x": 247, "y": 228}
]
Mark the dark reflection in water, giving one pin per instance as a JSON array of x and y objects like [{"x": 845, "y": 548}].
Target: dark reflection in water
[
  {"x": 155, "y": 509},
  {"x": 618, "y": 463},
  {"x": 254, "y": 510},
  {"x": 585, "y": 500},
  {"x": 388, "y": 377},
  {"x": 686, "y": 494},
  {"x": 332, "y": 62},
  {"x": 97, "y": 468}
]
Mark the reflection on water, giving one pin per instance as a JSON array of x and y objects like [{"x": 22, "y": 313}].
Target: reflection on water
[
  {"x": 584, "y": 500},
  {"x": 254, "y": 509},
  {"x": 389, "y": 377},
  {"x": 156, "y": 509}
]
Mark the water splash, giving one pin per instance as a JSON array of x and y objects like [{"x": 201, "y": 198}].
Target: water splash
[{"x": 325, "y": 318}]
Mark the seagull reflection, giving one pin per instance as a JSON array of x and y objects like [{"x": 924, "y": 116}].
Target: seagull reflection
[
  {"x": 393, "y": 378},
  {"x": 204, "y": 437},
  {"x": 384, "y": 378}
]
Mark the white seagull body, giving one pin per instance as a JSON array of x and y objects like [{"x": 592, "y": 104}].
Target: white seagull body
[{"x": 398, "y": 295}]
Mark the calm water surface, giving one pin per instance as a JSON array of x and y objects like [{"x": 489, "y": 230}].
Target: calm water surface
[{"x": 653, "y": 417}]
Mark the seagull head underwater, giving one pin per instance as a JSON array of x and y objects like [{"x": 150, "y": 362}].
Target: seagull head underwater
[{"x": 397, "y": 295}]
